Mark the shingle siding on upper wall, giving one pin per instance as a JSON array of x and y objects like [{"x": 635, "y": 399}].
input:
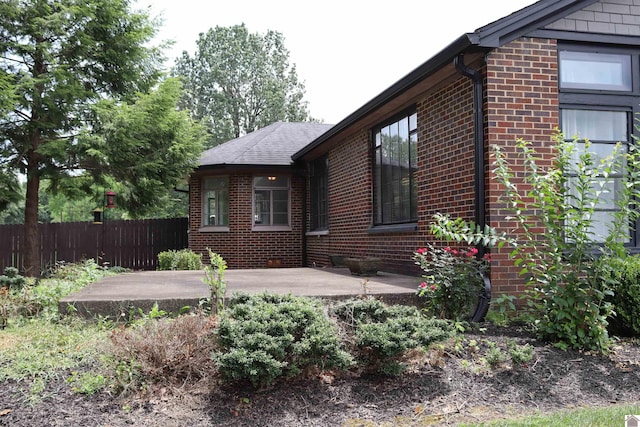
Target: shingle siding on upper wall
[{"x": 621, "y": 17}]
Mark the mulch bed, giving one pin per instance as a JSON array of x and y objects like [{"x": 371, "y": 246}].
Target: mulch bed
[{"x": 446, "y": 388}]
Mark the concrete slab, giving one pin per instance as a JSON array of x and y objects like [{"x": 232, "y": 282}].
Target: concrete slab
[{"x": 123, "y": 295}]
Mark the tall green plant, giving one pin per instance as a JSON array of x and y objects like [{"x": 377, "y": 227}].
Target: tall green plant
[
  {"x": 214, "y": 277},
  {"x": 566, "y": 283}
]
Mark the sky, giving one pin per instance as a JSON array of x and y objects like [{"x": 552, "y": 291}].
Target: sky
[{"x": 345, "y": 51}]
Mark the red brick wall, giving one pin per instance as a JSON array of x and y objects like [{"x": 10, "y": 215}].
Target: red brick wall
[
  {"x": 445, "y": 183},
  {"x": 240, "y": 246},
  {"x": 521, "y": 102}
]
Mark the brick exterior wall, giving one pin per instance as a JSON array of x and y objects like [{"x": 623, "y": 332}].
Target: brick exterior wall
[
  {"x": 242, "y": 247},
  {"x": 445, "y": 184},
  {"x": 521, "y": 102}
]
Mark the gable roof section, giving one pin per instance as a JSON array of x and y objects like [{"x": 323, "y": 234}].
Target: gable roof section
[
  {"x": 483, "y": 39},
  {"x": 271, "y": 145}
]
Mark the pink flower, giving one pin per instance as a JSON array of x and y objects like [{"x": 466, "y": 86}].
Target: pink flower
[
  {"x": 487, "y": 257},
  {"x": 433, "y": 287},
  {"x": 447, "y": 249},
  {"x": 423, "y": 285},
  {"x": 455, "y": 252},
  {"x": 473, "y": 251},
  {"x": 422, "y": 251}
]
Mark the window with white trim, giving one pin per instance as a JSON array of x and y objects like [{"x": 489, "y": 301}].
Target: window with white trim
[
  {"x": 271, "y": 201},
  {"x": 215, "y": 192}
]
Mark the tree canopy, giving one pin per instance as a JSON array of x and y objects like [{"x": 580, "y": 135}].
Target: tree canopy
[
  {"x": 142, "y": 148},
  {"x": 74, "y": 69},
  {"x": 237, "y": 82}
]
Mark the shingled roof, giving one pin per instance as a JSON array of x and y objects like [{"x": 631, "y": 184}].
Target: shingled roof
[{"x": 272, "y": 145}]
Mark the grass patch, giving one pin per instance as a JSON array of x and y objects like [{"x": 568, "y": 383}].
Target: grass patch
[
  {"x": 36, "y": 346},
  {"x": 37, "y": 352},
  {"x": 592, "y": 417}
]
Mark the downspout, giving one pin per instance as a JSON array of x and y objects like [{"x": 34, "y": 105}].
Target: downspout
[{"x": 479, "y": 174}]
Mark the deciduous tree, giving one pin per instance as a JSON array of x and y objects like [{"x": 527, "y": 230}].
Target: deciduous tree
[{"x": 237, "y": 82}]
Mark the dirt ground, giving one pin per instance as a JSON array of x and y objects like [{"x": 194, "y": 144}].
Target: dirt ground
[{"x": 449, "y": 386}]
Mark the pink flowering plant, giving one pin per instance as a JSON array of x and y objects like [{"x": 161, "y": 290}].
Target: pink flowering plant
[{"x": 452, "y": 279}]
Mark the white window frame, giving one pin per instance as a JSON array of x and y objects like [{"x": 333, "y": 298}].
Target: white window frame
[{"x": 255, "y": 186}]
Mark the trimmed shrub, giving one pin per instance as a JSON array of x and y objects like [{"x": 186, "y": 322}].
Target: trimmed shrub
[
  {"x": 382, "y": 334},
  {"x": 265, "y": 337},
  {"x": 183, "y": 259},
  {"x": 625, "y": 285}
]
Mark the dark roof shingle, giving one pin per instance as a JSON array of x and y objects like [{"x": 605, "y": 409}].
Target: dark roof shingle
[{"x": 272, "y": 145}]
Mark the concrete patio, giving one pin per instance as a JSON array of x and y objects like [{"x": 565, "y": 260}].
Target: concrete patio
[{"x": 118, "y": 296}]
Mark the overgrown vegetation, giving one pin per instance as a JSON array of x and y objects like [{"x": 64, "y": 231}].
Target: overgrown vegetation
[
  {"x": 183, "y": 259},
  {"x": 567, "y": 284},
  {"x": 36, "y": 347}
]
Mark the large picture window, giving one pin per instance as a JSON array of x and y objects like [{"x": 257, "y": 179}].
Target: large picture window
[
  {"x": 599, "y": 99},
  {"x": 271, "y": 201},
  {"x": 319, "y": 194},
  {"x": 216, "y": 201},
  {"x": 395, "y": 170}
]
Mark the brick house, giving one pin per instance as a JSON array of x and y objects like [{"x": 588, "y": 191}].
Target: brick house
[{"x": 372, "y": 183}]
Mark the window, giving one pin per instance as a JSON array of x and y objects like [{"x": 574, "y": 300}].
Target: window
[
  {"x": 589, "y": 70},
  {"x": 604, "y": 129},
  {"x": 395, "y": 169},
  {"x": 319, "y": 194},
  {"x": 216, "y": 201},
  {"x": 598, "y": 101},
  {"x": 271, "y": 201}
]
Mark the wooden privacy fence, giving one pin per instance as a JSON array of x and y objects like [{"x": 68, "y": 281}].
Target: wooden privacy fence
[{"x": 130, "y": 244}]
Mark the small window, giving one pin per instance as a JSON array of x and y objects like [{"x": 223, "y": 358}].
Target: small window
[
  {"x": 271, "y": 201},
  {"x": 216, "y": 201},
  {"x": 595, "y": 71}
]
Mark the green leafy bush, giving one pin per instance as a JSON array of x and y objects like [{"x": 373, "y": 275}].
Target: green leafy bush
[
  {"x": 183, "y": 259},
  {"x": 264, "y": 337},
  {"x": 567, "y": 287},
  {"x": 624, "y": 274},
  {"x": 382, "y": 334},
  {"x": 452, "y": 280}
]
